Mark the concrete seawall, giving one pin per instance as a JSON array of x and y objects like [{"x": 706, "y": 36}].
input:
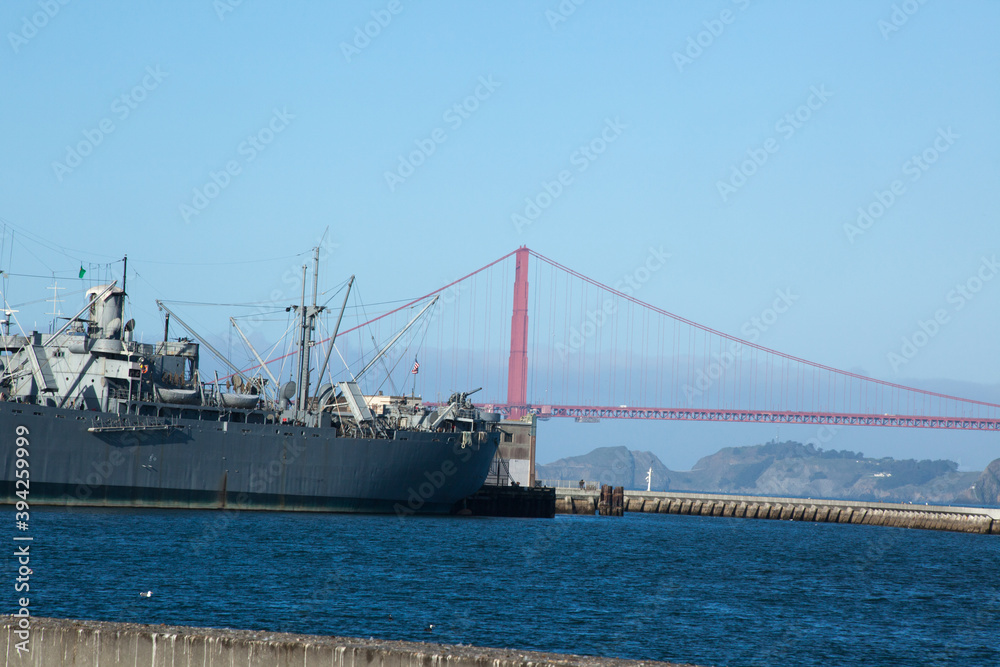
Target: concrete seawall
[
  {"x": 57, "y": 642},
  {"x": 928, "y": 517}
]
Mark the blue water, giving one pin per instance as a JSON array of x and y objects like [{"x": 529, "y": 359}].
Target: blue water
[{"x": 710, "y": 591}]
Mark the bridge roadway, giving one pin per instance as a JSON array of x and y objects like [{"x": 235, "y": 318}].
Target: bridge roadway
[
  {"x": 901, "y": 515},
  {"x": 968, "y": 423}
]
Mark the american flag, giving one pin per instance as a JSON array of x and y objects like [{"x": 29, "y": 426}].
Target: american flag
[{"x": 416, "y": 366}]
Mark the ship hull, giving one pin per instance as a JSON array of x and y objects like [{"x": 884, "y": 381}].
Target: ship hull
[{"x": 79, "y": 458}]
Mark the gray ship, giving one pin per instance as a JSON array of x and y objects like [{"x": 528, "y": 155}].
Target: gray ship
[{"x": 89, "y": 416}]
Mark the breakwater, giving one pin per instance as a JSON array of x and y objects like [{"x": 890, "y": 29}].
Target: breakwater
[
  {"x": 900, "y": 515},
  {"x": 101, "y": 644}
]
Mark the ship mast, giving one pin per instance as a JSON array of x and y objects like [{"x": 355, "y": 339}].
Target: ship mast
[
  {"x": 307, "y": 321},
  {"x": 300, "y": 399}
]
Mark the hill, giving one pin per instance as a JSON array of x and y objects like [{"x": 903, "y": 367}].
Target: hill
[
  {"x": 987, "y": 487},
  {"x": 787, "y": 469}
]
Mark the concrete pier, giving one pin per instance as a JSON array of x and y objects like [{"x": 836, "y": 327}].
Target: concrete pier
[
  {"x": 980, "y": 520},
  {"x": 72, "y": 643}
]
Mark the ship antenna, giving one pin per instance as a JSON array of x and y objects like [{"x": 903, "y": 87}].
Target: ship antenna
[
  {"x": 307, "y": 321},
  {"x": 56, "y": 313}
]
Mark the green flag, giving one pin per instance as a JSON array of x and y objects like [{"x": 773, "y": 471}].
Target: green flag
[{"x": 82, "y": 270}]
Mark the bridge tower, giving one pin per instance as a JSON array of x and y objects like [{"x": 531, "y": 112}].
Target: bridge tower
[{"x": 517, "y": 370}]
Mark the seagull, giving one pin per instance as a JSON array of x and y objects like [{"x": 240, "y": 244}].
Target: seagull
[{"x": 147, "y": 594}]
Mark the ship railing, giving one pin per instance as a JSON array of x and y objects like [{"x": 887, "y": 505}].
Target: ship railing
[
  {"x": 136, "y": 396},
  {"x": 121, "y": 424},
  {"x": 118, "y": 392},
  {"x": 571, "y": 485}
]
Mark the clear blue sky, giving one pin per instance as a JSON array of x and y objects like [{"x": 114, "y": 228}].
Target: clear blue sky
[{"x": 332, "y": 120}]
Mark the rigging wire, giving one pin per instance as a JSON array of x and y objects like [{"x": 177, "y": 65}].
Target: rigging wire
[
  {"x": 29, "y": 303},
  {"x": 45, "y": 243},
  {"x": 402, "y": 356},
  {"x": 29, "y": 251},
  {"x": 421, "y": 345},
  {"x": 249, "y": 304},
  {"x": 346, "y": 365},
  {"x": 215, "y": 263}
]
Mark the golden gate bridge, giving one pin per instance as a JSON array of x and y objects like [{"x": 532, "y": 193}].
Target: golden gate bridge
[{"x": 541, "y": 338}]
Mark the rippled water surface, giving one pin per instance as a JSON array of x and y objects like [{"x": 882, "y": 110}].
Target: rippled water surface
[{"x": 710, "y": 591}]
